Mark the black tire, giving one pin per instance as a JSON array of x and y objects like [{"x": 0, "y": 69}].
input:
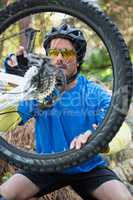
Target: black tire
[{"x": 122, "y": 72}]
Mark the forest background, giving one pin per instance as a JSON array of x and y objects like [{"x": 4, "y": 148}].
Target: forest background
[{"x": 98, "y": 60}]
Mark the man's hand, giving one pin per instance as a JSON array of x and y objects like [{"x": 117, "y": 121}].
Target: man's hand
[
  {"x": 21, "y": 56},
  {"x": 19, "y": 59},
  {"x": 80, "y": 140},
  {"x": 17, "y": 63}
]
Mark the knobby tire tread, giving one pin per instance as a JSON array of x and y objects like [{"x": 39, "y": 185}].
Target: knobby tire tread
[{"x": 122, "y": 70}]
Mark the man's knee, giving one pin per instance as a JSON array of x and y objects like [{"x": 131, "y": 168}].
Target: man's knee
[
  {"x": 112, "y": 190},
  {"x": 2, "y": 198},
  {"x": 18, "y": 187},
  {"x": 3, "y": 194}
]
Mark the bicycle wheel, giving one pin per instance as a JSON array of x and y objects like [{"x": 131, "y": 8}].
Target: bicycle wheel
[{"x": 122, "y": 73}]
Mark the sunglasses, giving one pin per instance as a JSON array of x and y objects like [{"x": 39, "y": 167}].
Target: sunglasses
[{"x": 66, "y": 53}]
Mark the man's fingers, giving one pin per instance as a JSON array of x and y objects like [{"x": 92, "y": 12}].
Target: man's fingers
[
  {"x": 12, "y": 61},
  {"x": 72, "y": 145},
  {"x": 80, "y": 140},
  {"x": 21, "y": 50},
  {"x": 88, "y": 134},
  {"x": 94, "y": 126},
  {"x": 85, "y": 137}
]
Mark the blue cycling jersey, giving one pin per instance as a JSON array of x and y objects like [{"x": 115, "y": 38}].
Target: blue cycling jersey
[{"x": 73, "y": 114}]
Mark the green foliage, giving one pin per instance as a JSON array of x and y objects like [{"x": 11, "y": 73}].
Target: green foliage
[
  {"x": 97, "y": 62},
  {"x": 98, "y": 65},
  {"x": 1, "y": 3},
  {"x": 99, "y": 59},
  {"x": 132, "y": 56}
]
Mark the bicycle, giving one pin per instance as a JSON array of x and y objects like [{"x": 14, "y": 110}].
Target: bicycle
[{"x": 122, "y": 72}]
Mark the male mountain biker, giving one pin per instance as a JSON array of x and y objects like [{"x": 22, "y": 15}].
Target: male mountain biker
[{"x": 68, "y": 124}]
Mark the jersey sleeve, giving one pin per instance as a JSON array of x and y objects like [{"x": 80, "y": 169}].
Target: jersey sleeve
[
  {"x": 26, "y": 110},
  {"x": 101, "y": 100},
  {"x": 103, "y": 104}
]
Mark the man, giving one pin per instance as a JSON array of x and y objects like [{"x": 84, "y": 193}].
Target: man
[{"x": 68, "y": 124}]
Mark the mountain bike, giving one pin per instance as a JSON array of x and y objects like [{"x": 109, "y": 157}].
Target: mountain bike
[{"x": 109, "y": 34}]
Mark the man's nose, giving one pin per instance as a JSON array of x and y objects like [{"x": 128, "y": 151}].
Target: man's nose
[{"x": 59, "y": 58}]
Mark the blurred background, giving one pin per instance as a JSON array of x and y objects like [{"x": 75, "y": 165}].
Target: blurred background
[{"x": 98, "y": 60}]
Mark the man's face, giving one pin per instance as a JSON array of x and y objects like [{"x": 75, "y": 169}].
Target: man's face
[{"x": 61, "y": 58}]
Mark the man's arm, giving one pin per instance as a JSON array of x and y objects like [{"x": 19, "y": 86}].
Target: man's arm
[
  {"x": 103, "y": 103},
  {"x": 100, "y": 97}
]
